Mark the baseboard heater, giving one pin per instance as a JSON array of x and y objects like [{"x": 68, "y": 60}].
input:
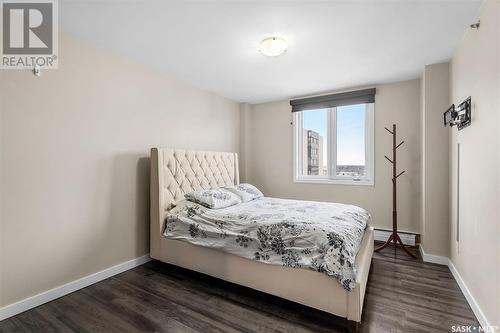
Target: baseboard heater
[{"x": 408, "y": 238}]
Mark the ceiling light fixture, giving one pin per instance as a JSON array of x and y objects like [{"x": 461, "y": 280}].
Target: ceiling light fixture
[{"x": 273, "y": 46}]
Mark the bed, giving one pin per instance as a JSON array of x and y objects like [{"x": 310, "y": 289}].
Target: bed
[{"x": 175, "y": 172}]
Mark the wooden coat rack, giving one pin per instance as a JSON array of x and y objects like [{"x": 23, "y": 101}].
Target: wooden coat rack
[{"x": 394, "y": 237}]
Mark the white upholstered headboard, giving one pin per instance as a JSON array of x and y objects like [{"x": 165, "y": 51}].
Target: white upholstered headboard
[{"x": 175, "y": 172}]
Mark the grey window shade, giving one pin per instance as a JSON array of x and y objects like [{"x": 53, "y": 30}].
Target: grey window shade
[{"x": 329, "y": 101}]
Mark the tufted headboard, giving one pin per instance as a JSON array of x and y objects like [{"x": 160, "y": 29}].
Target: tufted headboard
[{"x": 175, "y": 172}]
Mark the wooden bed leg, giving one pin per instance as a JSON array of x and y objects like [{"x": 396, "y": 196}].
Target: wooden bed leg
[{"x": 353, "y": 326}]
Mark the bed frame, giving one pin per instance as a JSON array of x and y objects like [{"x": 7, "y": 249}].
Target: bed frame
[{"x": 175, "y": 172}]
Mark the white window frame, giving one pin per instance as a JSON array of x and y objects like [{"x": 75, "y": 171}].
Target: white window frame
[{"x": 368, "y": 179}]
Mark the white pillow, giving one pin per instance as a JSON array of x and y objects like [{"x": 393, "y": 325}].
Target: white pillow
[
  {"x": 214, "y": 198},
  {"x": 247, "y": 192}
]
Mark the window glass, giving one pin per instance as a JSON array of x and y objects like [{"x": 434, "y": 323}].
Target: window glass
[
  {"x": 314, "y": 142},
  {"x": 351, "y": 140}
]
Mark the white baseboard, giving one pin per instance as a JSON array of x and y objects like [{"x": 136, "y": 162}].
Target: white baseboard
[
  {"x": 433, "y": 258},
  {"x": 382, "y": 235},
  {"x": 49, "y": 295},
  {"x": 483, "y": 321}
]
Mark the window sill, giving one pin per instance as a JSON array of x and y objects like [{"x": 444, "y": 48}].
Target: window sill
[{"x": 363, "y": 182}]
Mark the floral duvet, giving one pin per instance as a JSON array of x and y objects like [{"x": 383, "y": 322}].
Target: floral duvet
[{"x": 320, "y": 236}]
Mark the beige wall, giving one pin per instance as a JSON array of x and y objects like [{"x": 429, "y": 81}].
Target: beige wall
[
  {"x": 245, "y": 141},
  {"x": 269, "y": 165},
  {"x": 74, "y": 162},
  {"x": 435, "y": 149},
  {"x": 475, "y": 72}
]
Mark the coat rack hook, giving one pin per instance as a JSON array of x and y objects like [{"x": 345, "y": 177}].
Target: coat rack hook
[
  {"x": 388, "y": 130},
  {"x": 388, "y": 159},
  {"x": 400, "y": 144},
  {"x": 399, "y": 174}
]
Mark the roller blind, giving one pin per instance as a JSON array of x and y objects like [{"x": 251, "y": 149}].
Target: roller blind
[{"x": 329, "y": 101}]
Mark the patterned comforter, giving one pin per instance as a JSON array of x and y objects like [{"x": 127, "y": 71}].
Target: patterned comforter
[{"x": 324, "y": 237}]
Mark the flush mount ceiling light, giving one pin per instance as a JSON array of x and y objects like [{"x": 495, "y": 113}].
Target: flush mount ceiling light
[{"x": 273, "y": 46}]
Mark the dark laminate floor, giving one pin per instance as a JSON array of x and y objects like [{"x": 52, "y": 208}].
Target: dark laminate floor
[{"x": 403, "y": 295}]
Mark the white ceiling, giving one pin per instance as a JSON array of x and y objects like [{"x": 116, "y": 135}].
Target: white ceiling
[{"x": 333, "y": 44}]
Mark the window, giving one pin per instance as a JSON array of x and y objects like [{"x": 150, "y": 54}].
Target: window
[{"x": 334, "y": 145}]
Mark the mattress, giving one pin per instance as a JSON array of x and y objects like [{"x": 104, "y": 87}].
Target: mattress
[{"x": 320, "y": 236}]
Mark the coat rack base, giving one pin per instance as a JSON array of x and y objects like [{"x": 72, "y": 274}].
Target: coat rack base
[{"x": 396, "y": 240}]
